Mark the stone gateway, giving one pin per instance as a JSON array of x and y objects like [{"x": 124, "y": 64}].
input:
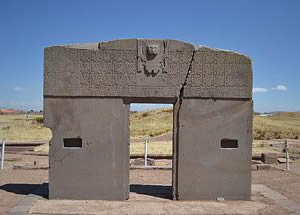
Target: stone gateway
[{"x": 87, "y": 92}]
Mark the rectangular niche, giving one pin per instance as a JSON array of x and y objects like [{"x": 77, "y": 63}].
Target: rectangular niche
[
  {"x": 229, "y": 143},
  {"x": 73, "y": 143}
]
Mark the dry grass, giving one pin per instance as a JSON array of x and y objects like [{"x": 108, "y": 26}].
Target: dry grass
[
  {"x": 154, "y": 148},
  {"x": 154, "y": 123},
  {"x": 20, "y": 128},
  {"x": 278, "y": 126},
  {"x": 260, "y": 146},
  {"x": 151, "y": 123}
]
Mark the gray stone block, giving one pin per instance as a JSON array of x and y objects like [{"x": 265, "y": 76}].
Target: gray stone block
[
  {"x": 219, "y": 74},
  {"x": 100, "y": 168},
  {"x": 263, "y": 167},
  {"x": 205, "y": 170},
  {"x": 269, "y": 158}
]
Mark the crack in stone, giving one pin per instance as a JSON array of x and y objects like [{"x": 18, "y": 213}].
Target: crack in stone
[
  {"x": 175, "y": 194},
  {"x": 186, "y": 79}
]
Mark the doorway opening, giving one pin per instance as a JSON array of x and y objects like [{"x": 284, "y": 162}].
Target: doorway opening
[{"x": 151, "y": 151}]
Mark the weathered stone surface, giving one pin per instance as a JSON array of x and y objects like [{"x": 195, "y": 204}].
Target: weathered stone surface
[
  {"x": 126, "y": 68},
  {"x": 98, "y": 170},
  {"x": 119, "y": 68},
  {"x": 219, "y": 74},
  {"x": 263, "y": 166},
  {"x": 205, "y": 170},
  {"x": 269, "y": 158},
  {"x": 283, "y": 160}
]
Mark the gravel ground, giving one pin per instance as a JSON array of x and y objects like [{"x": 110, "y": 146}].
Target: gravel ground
[{"x": 15, "y": 184}]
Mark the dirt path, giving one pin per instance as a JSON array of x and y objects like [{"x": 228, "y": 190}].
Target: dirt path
[
  {"x": 16, "y": 184},
  {"x": 286, "y": 183}
]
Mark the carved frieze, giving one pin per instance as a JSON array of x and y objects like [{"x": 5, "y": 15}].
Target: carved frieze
[
  {"x": 154, "y": 69},
  {"x": 217, "y": 73}
]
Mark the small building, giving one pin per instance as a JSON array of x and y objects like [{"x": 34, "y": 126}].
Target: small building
[{"x": 9, "y": 111}]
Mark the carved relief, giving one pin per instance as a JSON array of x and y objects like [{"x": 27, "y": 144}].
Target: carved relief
[
  {"x": 153, "y": 63},
  {"x": 124, "y": 68},
  {"x": 85, "y": 76},
  {"x": 152, "y": 70},
  {"x": 219, "y": 74},
  {"x": 49, "y": 71},
  {"x": 102, "y": 68},
  {"x": 173, "y": 76}
]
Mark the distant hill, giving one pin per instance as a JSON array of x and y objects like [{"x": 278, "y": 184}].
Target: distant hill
[{"x": 151, "y": 123}]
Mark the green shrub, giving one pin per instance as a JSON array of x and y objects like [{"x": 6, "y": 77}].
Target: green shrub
[
  {"x": 39, "y": 120},
  {"x": 145, "y": 114}
]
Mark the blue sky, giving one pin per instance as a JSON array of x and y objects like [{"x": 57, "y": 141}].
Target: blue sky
[{"x": 268, "y": 31}]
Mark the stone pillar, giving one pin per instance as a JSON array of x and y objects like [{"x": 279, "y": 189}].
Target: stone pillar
[
  {"x": 214, "y": 154},
  {"x": 89, "y": 153}
]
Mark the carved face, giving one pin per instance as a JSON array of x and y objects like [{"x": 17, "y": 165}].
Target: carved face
[{"x": 152, "y": 49}]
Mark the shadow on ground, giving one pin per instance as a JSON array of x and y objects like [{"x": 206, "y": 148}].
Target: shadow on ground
[
  {"x": 161, "y": 191},
  {"x": 26, "y": 189}
]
